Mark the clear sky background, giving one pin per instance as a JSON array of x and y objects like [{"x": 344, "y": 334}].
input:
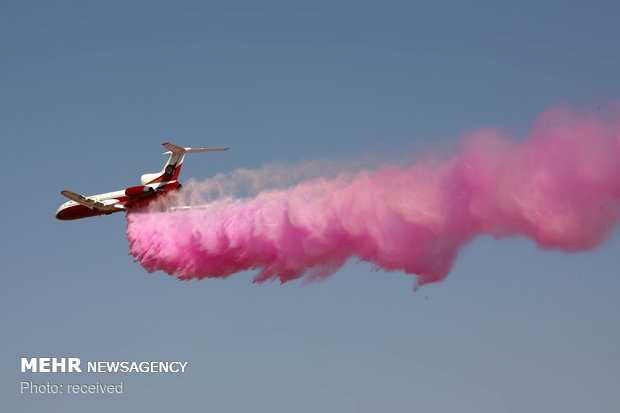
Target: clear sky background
[{"x": 91, "y": 89}]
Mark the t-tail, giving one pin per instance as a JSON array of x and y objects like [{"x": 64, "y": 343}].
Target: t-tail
[{"x": 173, "y": 166}]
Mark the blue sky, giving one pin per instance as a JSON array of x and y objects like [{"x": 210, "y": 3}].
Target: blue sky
[{"x": 90, "y": 91}]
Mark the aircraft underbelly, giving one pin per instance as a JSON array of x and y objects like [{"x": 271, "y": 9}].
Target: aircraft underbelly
[{"x": 79, "y": 211}]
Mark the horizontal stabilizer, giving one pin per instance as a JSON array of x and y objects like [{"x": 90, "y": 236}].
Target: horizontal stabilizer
[
  {"x": 91, "y": 203},
  {"x": 172, "y": 148}
]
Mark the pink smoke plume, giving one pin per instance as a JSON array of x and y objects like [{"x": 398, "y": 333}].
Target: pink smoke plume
[{"x": 560, "y": 187}]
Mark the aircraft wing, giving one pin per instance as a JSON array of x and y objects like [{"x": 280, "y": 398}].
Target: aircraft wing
[
  {"x": 90, "y": 203},
  {"x": 185, "y": 207}
]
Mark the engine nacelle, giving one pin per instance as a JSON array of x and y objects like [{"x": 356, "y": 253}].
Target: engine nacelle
[
  {"x": 170, "y": 186},
  {"x": 146, "y": 178},
  {"x": 139, "y": 190}
]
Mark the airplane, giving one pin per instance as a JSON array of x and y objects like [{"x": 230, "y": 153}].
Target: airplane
[{"x": 153, "y": 185}]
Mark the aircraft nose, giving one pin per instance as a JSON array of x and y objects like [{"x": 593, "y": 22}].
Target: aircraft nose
[
  {"x": 62, "y": 213},
  {"x": 59, "y": 213}
]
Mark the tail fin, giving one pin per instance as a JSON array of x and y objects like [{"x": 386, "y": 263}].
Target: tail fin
[{"x": 173, "y": 166}]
